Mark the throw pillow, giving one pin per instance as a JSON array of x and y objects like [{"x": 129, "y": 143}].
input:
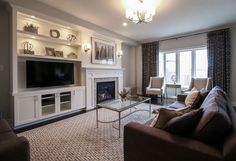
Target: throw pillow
[
  {"x": 192, "y": 99},
  {"x": 203, "y": 93},
  {"x": 163, "y": 116},
  {"x": 184, "y": 124}
]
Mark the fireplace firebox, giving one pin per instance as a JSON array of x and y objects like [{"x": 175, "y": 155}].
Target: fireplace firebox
[{"x": 105, "y": 91}]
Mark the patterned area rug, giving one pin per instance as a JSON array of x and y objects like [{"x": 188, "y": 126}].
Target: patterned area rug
[{"x": 78, "y": 139}]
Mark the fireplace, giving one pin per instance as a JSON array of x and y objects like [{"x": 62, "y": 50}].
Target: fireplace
[{"x": 105, "y": 91}]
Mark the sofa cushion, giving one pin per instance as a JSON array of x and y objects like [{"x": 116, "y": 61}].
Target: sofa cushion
[
  {"x": 215, "y": 122},
  {"x": 177, "y": 105},
  {"x": 192, "y": 98},
  {"x": 4, "y": 126},
  {"x": 185, "y": 123}
]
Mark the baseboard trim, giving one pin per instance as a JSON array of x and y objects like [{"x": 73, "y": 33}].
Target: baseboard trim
[{"x": 46, "y": 121}]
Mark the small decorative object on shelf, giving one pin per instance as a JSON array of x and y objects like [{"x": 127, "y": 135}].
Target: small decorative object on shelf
[
  {"x": 59, "y": 54},
  {"x": 72, "y": 55},
  {"x": 123, "y": 94},
  {"x": 71, "y": 37},
  {"x": 50, "y": 51},
  {"x": 54, "y": 33},
  {"x": 27, "y": 48},
  {"x": 31, "y": 28}
]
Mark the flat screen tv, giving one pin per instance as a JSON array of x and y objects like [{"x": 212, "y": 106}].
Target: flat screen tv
[{"x": 46, "y": 74}]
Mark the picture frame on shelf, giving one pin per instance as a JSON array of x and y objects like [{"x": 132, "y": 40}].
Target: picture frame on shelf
[
  {"x": 103, "y": 51},
  {"x": 50, "y": 51},
  {"x": 54, "y": 33},
  {"x": 59, "y": 54}
]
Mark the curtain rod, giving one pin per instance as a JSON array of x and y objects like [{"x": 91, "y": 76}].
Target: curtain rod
[
  {"x": 194, "y": 34},
  {"x": 172, "y": 38}
]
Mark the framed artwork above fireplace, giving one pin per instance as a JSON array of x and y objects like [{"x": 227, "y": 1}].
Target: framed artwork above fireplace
[{"x": 103, "y": 51}]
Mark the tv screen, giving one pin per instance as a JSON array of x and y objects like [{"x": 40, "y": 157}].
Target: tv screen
[{"x": 46, "y": 74}]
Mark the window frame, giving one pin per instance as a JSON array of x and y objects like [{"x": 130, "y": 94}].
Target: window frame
[{"x": 177, "y": 60}]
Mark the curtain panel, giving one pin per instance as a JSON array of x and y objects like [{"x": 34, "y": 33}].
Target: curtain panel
[
  {"x": 218, "y": 46},
  {"x": 150, "y": 56}
]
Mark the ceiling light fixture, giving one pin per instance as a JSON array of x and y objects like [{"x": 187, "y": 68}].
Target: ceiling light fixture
[{"x": 140, "y": 11}]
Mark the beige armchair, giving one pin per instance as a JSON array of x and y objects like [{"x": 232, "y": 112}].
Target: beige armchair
[
  {"x": 155, "y": 86},
  {"x": 199, "y": 83}
]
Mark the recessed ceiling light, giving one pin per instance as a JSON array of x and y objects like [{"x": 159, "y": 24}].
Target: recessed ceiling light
[
  {"x": 125, "y": 24},
  {"x": 32, "y": 16},
  {"x": 69, "y": 44},
  {"x": 33, "y": 37},
  {"x": 68, "y": 27}
]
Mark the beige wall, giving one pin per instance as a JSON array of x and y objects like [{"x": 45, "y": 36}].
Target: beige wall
[
  {"x": 4, "y": 62},
  {"x": 128, "y": 63}
]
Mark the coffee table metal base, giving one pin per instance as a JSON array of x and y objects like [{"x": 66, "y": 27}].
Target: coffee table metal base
[{"x": 119, "y": 116}]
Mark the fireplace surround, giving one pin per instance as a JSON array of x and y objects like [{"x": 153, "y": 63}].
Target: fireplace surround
[{"x": 92, "y": 76}]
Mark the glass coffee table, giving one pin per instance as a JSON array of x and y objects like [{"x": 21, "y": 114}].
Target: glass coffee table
[{"x": 119, "y": 106}]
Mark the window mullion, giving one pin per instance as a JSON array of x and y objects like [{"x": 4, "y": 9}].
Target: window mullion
[
  {"x": 193, "y": 63},
  {"x": 177, "y": 71}
]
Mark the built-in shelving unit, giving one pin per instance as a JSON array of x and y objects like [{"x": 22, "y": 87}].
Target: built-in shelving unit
[
  {"x": 42, "y": 38},
  {"x": 40, "y": 104}
]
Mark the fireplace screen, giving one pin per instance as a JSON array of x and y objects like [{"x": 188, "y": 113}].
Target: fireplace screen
[{"x": 105, "y": 91}]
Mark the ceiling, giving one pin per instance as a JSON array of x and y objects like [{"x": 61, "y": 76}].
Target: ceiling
[{"x": 172, "y": 17}]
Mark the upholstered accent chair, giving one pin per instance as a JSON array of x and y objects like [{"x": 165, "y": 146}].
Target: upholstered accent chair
[
  {"x": 199, "y": 83},
  {"x": 155, "y": 87}
]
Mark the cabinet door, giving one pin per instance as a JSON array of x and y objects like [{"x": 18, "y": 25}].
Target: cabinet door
[
  {"x": 25, "y": 109},
  {"x": 77, "y": 99}
]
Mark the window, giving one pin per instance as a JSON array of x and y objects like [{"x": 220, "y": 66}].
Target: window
[
  {"x": 170, "y": 70},
  {"x": 185, "y": 70},
  {"x": 181, "y": 66}
]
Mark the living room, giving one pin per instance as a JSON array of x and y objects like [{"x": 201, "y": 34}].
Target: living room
[{"x": 96, "y": 80}]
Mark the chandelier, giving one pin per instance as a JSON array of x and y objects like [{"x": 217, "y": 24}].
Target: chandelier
[{"x": 140, "y": 11}]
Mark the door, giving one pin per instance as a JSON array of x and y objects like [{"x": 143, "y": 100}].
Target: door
[
  {"x": 26, "y": 109},
  {"x": 78, "y": 99}
]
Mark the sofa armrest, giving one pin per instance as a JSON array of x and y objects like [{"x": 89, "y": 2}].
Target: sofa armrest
[
  {"x": 181, "y": 97},
  {"x": 15, "y": 149},
  {"x": 143, "y": 143}
]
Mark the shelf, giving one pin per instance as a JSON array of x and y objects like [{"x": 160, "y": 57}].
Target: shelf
[
  {"x": 45, "y": 38},
  {"x": 65, "y": 102},
  {"x": 46, "y": 57},
  {"x": 62, "y": 95},
  {"x": 44, "y": 98},
  {"x": 51, "y": 105}
]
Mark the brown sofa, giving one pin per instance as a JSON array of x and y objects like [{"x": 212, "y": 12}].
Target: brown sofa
[
  {"x": 144, "y": 143},
  {"x": 12, "y": 147}
]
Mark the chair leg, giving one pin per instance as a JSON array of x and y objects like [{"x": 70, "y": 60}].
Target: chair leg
[{"x": 161, "y": 98}]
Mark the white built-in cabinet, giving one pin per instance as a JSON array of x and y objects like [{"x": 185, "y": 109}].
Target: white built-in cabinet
[
  {"x": 41, "y": 104},
  {"x": 35, "y": 106}
]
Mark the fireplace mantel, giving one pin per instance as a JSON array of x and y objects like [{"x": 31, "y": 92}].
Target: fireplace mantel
[{"x": 91, "y": 74}]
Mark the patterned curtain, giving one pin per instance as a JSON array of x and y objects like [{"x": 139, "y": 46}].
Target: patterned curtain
[
  {"x": 150, "y": 54},
  {"x": 218, "y": 46}
]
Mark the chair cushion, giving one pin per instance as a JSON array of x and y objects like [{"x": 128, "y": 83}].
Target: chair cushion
[
  {"x": 215, "y": 122},
  {"x": 200, "y": 83},
  {"x": 154, "y": 91},
  {"x": 157, "y": 82},
  {"x": 184, "y": 124}
]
